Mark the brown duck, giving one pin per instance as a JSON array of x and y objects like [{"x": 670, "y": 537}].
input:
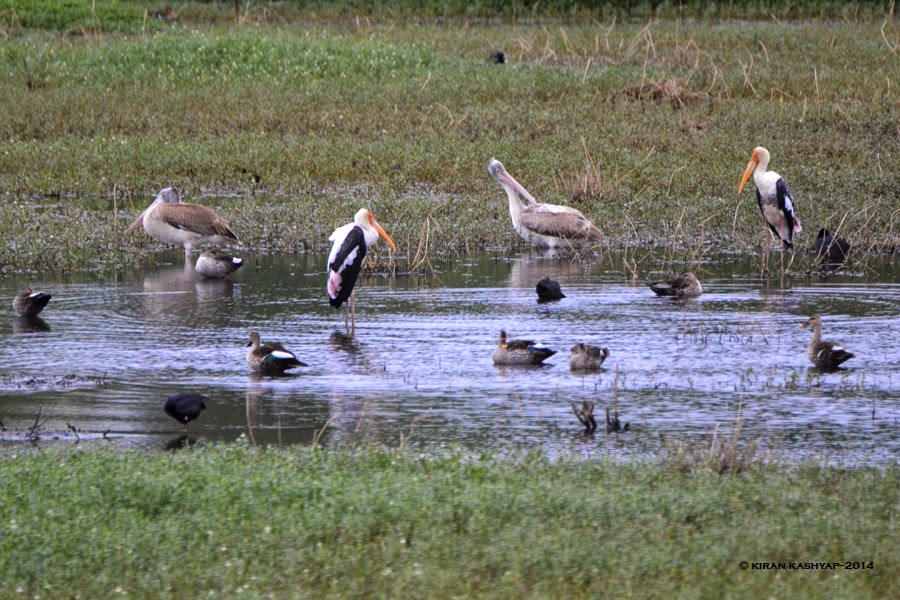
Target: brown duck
[
  {"x": 271, "y": 358},
  {"x": 30, "y": 303},
  {"x": 585, "y": 357},
  {"x": 684, "y": 285},
  {"x": 824, "y": 354},
  {"x": 217, "y": 266},
  {"x": 520, "y": 352}
]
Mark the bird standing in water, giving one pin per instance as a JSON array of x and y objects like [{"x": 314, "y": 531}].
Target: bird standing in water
[
  {"x": 185, "y": 408},
  {"x": 350, "y": 244},
  {"x": 774, "y": 199}
]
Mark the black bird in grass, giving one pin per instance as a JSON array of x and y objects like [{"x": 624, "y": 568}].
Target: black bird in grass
[
  {"x": 498, "y": 58},
  {"x": 831, "y": 249},
  {"x": 185, "y": 407},
  {"x": 548, "y": 291}
]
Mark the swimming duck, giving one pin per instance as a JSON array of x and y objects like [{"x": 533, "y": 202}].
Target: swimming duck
[
  {"x": 270, "y": 359},
  {"x": 548, "y": 290},
  {"x": 217, "y": 266},
  {"x": 30, "y": 303},
  {"x": 824, "y": 354},
  {"x": 185, "y": 407},
  {"x": 585, "y": 357},
  {"x": 685, "y": 284},
  {"x": 831, "y": 249},
  {"x": 520, "y": 352}
]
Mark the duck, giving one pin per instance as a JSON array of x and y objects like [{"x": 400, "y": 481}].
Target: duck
[
  {"x": 217, "y": 266},
  {"x": 824, "y": 354},
  {"x": 548, "y": 291},
  {"x": 831, "y": 249},
  {"x": 271, "y": 358},
  {"x": 520, "y": 352},
  {"x": 185, "y": 408},
  {"x": 585, "y": 357},
  {"x": 30, "y": 303},
  {"x": 684, "y": 285}
]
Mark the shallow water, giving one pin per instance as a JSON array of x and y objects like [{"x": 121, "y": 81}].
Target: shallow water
[{"x": 419, "y": 372}]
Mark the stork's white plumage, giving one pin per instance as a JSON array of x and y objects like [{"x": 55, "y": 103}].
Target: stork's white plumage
[
  {"x": 774, "y": 199},
  {"x": 543, "y": 224},
  {"x": 348, "y": 250}
]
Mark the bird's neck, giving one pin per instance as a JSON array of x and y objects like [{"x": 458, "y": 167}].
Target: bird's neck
[
  {"x": 817, "y": 334},
  {"x": 515, "y": 204}
]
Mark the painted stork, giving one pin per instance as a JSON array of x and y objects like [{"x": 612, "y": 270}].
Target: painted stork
[
  {"x": 271, "y": 358},
  {"x": 824, "y": 354},
  {"x": 684, "y": 285},
  {"x": 185, "y": 407},
  {"x": 543, "y": 224},
  {"x": 217, "y": 266},
  {"x": 348, "y": 250},
  {"x": 171, "y": 222},
  {"x": 30, "y": 303},
  {"x": 774, "y": 199}
]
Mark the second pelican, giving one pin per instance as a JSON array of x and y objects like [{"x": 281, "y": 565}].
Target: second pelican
[{"x": 543, "y": 224}]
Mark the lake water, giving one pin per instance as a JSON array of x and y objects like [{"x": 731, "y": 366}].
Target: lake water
[{"x": 418, "y": 370}]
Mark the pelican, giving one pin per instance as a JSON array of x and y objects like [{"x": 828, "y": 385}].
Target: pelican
[
  {"x": 824, "y": 354},
  {"x": 543, "y": 224},
  {"x": 30, "y": 303},
  {"x": 774, "y": 199},
  {"x": 217, "y": 266},
  {"x": 271, "y": 358},
  {"x": 684, "y": 285},
  {"x": 185, "y": 407},
  {"x": 348, "y": 250},
  {"x": 520, "y": 352},
  {"x": 171, "y": 222}
]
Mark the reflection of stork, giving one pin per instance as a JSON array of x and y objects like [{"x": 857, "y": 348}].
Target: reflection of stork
[
  {"x": 350, "y": 244},
  {"x": 543, "y": 224},
  {"x": 171, "y": 222},
  {"x": 774, "y": 199},
  {"x": 30, "y": 303}
]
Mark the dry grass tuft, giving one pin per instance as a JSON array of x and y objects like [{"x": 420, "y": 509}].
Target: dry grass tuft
[
  {"x": 724, "y": 454},
  {"x": 668, "y": 91}
]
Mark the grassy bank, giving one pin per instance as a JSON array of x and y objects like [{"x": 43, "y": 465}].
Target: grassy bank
[
  {"x": 223, "y": 520},
  {"x": 289, "y": 127}
]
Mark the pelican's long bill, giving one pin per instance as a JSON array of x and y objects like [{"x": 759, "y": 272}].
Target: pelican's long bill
[
  {"x": 501, "y": 175},
  {"x": 382, "y": 232},
  {"x": 140, "y": 220},
  {"x": 751, "y": 166}
]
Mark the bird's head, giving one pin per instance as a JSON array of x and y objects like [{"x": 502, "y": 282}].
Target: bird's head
[
  {"x": 166, "y": 196},
  {"x": 366, "y": 220},
  {"x": 506, "y": 181},
  {"x": 760, "y": 156},
  {"x": 812, "y": 322},
  {"x": 254, "y": 340}
]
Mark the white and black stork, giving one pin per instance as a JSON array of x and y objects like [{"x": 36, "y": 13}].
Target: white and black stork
[
  {"x": 774, "y": 199},
  {"x": 349, "y": 246}
]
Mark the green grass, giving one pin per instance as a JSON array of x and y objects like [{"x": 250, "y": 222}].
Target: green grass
[
  {"x": 228, "y": 520},
  {"x": 403, "y": 116}
]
